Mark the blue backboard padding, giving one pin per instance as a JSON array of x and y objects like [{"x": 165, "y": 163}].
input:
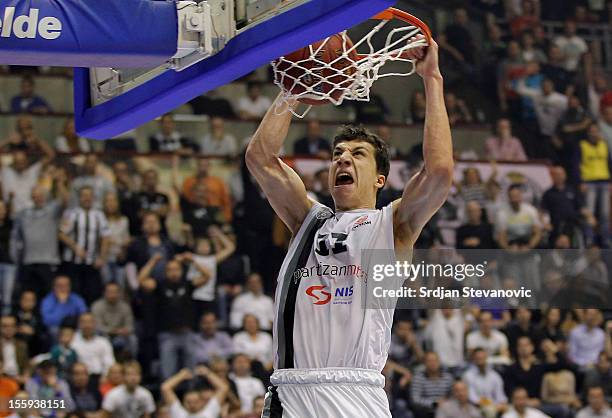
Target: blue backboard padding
[
  {"x": 267, "y": 41},
  {"x": 106, "y": 33}
]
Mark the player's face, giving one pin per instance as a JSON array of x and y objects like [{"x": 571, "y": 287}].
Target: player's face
[{"x": 353, "y": 177}]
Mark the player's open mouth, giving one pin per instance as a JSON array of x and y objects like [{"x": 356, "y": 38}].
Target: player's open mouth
[{"x": 343, "y": 179}]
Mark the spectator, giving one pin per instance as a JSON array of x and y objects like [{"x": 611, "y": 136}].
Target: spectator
[
  {"x": 504, "y": 146},
  {"x": 7, "y": 269},
  {"x": 150, "y": 199},
  {"x": 593, "y": 167},
  {"x": 564, "y": 206},
  {"x": 554, "y": 69},
  {"x": 599, "y": 376},
  {"x": 175, "y": 310},
  {"x": 530, "y": 50},
  {"x": 95, "y": 351},
  {"x": 313, "y": 143},
  {"x": 151, "y": 242},
  {"x": 323, "y": 193},
  {"x": 210, "y": 342},
  {"x": 559, "y": 392},
  {"x": 24, "y": 139},
  {"x": 253, "y": 301},
  {"x": 485, "y": 385},
  {"x": 198, "y": 215},
  {"x": 572, "y": 46},
  {"x": 212, "y": 104},
  {"x": 572, "y": 128},
  {"x": 61, "y": 304},
  {"x": 521, "y": 326},
  {"x": 373, "y": 111},
  {"x": 90, "y": 177},
  {"x": 115, "y": 319},
  {"x": 118, "y": 240},
  {"x": 46, "y": 385},
  {"x": 445, "y": 334},
  {"x": 8, "y": 389},
  {"x": 62, "y": 354},
  {"x": 35, "y": 239},
  {"x": 405, "y": 348},
  {"x": 549, "y": 107},
  {"x": 254, "y": 343},
  {"x": 14, "y": 352},
  {"x": 204, "y": 296},
  {"x": 459, "y": 37},
  {"x": 168, "y": 139},
  {"x": 527, "y": 372},
  {"x": 551, "y": 326},
  {"x": 29, "y": 323},
  {"x": 129, "y": 400},
  {"x": 528, "y": 17},
  {"x": 520, "y": 408},
  {"x": 217, "y": 193},
  {"x": 605, "y": 125},
  {"x": 518, "y": 230},
  {"x": 113, "y": 378},
  {"x": 599, "y": 93},
  {"x": 458, "y": 112},
  {"x": 18, "y": 180},
  {"x": 586, "y": 340},
  {"x": 69, "y": 141},
  {"x": 194, "y": 404},
  {"x": 415, "y": 114},
  {"x": 84, "y": 233},
  {"x": 384, "y": 132},
  {"x": 510, "y": 68},
  {"x": 429, "y": 387},
  {"x": 493, "y": 52},
  {"x": 476, "y": 233},
  {"x": 248, "y": 387},
  {"x": 218, "y": 142},
  {"x": 253, "y": 105},
  {"x": 85, "y": 395},
  {"x": 27, "y": 101},
  {"x": 458, "y": 406},
  {"x": 598, "y": 406},
  {"x": 489, "y": 339},
  {"x": 126, "y": 190}
]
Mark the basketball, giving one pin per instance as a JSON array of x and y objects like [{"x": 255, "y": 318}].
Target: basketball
[{"x": 311, "y": 70}]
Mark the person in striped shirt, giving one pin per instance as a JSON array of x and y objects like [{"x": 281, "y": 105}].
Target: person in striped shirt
[{"x": 84, "y": 232}]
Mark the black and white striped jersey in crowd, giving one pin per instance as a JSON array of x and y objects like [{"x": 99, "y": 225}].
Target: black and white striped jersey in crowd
[{"x": 86, "y": 228}]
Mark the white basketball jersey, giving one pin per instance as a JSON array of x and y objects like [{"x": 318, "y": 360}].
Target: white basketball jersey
[{"x": 320, "y": 320}]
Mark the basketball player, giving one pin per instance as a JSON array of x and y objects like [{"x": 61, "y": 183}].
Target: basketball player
[{"x": 329, "y": 355}]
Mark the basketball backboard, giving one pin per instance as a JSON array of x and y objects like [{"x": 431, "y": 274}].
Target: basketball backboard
[{"x": 218, "y": 42}]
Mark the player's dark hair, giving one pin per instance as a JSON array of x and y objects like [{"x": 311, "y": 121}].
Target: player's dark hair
[{"x": 381, "y": 150}]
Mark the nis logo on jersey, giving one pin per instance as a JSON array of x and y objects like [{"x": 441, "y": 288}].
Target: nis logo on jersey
[{"x": 321, "y": 295}]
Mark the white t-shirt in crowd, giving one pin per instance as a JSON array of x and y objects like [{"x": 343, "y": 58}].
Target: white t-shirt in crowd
[
  {"x": 493, "y": 345},
  {"x": 20, "y": 185},
  {"x": 122, "y": 404},
  {"x": 529, "y": 413},
  {"x": 258, "y": 349},
  {"x": 572, "y": 49},
  {"x": 248, "y": 389},
  {"x": 212, "y": 409},
  {"x": 259, "y": 107},
  {"x": 96, "y": 353},
  {"x": 261, "y": 306},
  {"x": 207, "y": 291}
]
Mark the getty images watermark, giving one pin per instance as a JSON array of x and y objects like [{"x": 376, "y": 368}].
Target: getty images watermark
[
  {"x": 492, "y": 279},
  {"x": 405, "y": 270}
]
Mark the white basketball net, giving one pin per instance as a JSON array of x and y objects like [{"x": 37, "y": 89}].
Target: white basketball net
[{"x": 357, "y": 76}]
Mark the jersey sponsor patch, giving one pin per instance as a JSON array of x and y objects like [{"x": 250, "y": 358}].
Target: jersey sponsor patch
[{"x": 322, "y": 295}]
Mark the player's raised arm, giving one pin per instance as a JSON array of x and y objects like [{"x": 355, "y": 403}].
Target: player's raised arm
[
  {"x": 283, "y": 187},
  {"x": 428, "y": 189}
]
